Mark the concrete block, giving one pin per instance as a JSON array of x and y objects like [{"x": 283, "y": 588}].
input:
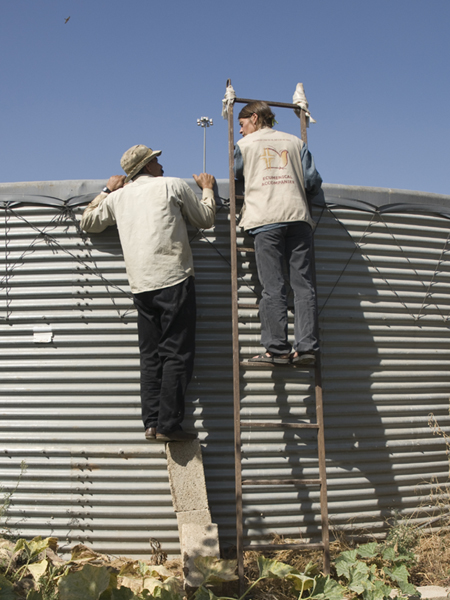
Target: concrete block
[
  {"x": 198, "y": 540},
  {"x": 186, "y": 476},
  {"x": 197, "y": 517},
  {"x": 433, "y": 592},
  {"x": 426, "y": 592}
]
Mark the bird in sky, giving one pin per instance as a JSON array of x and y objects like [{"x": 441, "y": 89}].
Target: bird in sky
[{"x": 65, "y": 20}]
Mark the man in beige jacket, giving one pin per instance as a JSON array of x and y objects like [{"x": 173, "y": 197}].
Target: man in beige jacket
[{"x": 150, "y": 212}]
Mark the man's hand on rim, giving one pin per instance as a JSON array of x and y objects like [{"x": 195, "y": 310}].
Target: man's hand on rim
[
  {"x": 204, "y": 181},
  {"x": 115, "y": 182}
]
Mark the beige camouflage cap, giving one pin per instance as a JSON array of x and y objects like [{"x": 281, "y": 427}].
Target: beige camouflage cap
[{"x": 135, "y": 158}]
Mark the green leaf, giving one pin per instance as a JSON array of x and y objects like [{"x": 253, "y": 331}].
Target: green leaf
[
  {"x": 408, "y": 589},
  {"x": 112, "y": 586},
  {"x": 172, "y": 584},
  {"x": 150, "y": 583},
  {"x": 301, "y": 582},
  {"x": 409, "y": 558},
  {"x": 35, "y": 595},
  {"x": 359, "y": 579},
  {"x": 204, "y": 594},
  {"x": 128, "y": 569},
  {"x": 134, "y": 584},
  {"x": 311, "y": 569},
  {"x": 143, "y": 568},
  {"x": 20, "y": 545},
  {"x": 86, "y": 584},
  {"x": 389, "y": 553},
  {"x": 160, "y": 570},
  {"x": 399, "y": 574},
  {"x": 379, "y": 591},
  {"x": 37, "y": 545},
  {"x": 344, "y": 561},
  {"x": 165, "y": 594},
  {"x": 6, "y": 589},
  {"x": 215, "y": 570},
  {"x": 123, "y": 593},
  {"x": 368, "y": 550},
  {"x": 327, "y": 589},
  {"x": 165, "y": 590},
  {"x": 273, "y": 569},
  {"x": 38, "y": 569}
]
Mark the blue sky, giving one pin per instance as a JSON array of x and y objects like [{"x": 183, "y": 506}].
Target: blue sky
[{"x": 76, "y": 95}]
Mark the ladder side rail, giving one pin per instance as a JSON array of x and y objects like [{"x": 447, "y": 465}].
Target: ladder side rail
[
  {"x": 319, "y": 400},
  {"x": 322, "y": 464},
  {"x": 236, "y": 370}
]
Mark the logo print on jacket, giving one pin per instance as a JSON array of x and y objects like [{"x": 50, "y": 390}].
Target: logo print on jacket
[{"x": 274, "y": 159}]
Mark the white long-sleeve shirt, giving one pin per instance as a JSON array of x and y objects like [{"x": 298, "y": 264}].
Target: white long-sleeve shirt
[{"x": 150, "y": 215}]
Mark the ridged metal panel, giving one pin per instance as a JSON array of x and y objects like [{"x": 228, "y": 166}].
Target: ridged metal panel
[
  {"x": 385, "y": 334},
  {"x": 384, "y": 302},
  {"x": 70, "y": 408}
]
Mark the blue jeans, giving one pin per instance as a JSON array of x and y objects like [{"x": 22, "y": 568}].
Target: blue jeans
[
  {"x": 291, "y": 245},
  {"x": 166, "y": 328}
]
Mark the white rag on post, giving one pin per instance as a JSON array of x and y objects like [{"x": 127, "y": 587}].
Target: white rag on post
[
  {"x": 300, "y": 99},
  {"x": 229, "y": 98}
]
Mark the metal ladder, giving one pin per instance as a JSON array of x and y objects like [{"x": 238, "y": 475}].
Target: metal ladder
[{"x": 238, "y": 365}]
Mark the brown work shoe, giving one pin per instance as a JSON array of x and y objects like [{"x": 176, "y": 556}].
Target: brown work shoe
[
  {"x": 176, "y": 436},
  {"x": 150, "y": 433}
]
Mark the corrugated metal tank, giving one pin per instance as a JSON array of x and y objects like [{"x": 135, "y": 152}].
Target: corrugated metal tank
[{"x": 69, "y": 378}]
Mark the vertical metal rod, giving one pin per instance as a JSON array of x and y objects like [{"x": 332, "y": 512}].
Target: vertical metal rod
[
  {"x": 204, "y": 149},
  {"x": 303, "y": 128},
  {"x": 319, "y": 402},
  {"x": 236, "y": 377},
  {"x": 7, "y": 289}
]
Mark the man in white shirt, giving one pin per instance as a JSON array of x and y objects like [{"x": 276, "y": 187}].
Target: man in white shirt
[{"x": 150, "y": 212}]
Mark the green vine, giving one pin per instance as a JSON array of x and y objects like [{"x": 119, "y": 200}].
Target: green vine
[{"x": 369, "y": 572}]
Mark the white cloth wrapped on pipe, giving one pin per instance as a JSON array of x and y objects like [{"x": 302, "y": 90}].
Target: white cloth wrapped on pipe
[{"x": 299, "y": 98}]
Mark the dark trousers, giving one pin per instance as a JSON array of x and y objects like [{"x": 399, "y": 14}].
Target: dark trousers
[
  {"x": 166, "y": 328},
  {"x": 290, "y": 245}
]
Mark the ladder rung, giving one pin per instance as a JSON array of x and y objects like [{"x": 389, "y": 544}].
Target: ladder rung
[
  {"x": 239, "y": 197},
  {"x": 269, "y": 102},
  {"x": 280, "y": 425},
  {"x": 304, "y": 545},
  {"x": 267, "y": 365},
  {"x": 244, "y": 249},
  {"x": 281, "y": 481}
]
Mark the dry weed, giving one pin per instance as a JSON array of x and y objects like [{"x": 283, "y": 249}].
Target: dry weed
[
  {"x": 432, "y": 548},
  {"x": 433, "y": 559}
]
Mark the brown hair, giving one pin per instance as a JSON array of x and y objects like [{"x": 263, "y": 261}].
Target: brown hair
[{"x": 262, "y": 110}]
